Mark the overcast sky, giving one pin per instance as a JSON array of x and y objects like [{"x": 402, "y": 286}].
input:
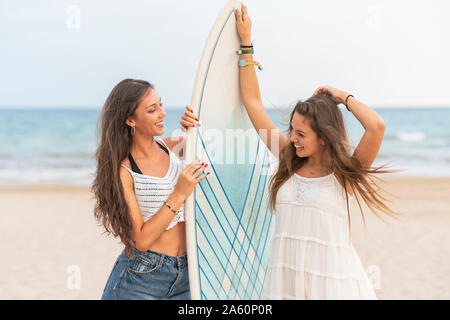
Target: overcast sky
[{"x": 71, "y": 53}]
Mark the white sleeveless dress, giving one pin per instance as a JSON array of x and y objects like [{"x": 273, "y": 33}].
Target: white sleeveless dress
[{"x": 311, "y": 254}]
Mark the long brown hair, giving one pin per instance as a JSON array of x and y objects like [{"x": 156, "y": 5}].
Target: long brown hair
[
  {"x": 111, "y": 209},
  {"x": 326, "y": 119}
]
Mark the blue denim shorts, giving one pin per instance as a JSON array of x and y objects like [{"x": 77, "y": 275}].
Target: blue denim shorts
[{"x": 148, "y": 276}]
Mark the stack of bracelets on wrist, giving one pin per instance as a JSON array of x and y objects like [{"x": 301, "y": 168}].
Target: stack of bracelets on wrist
[{"x": 247, "y": 50}]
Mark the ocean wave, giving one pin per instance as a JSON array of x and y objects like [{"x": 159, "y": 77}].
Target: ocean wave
[
  {"x": 68, "y": 155},
  {"x": 64, "y": 176},
  {"x": 411, "y": 136}
]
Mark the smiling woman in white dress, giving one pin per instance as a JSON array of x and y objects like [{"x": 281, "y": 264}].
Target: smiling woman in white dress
[{"x": 312, "y": 256}]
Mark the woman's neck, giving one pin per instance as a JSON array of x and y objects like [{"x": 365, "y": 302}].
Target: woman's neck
[
  {"x": 317, "y": 164},
  {"x": 143, "y": 147}
]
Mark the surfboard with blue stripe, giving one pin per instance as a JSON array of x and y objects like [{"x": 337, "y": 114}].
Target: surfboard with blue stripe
[
  {"x": 232, "y": 240},
  {"x": 228, "y": 221}
]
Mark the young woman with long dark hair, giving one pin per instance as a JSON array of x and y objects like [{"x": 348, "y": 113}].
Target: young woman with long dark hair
[
  {"x": 140, "y": 186},
  {"x": 312, "y": 256}
]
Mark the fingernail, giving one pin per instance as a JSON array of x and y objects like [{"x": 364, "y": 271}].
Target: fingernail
[
  {"x": 202, "y": 163},
  {"x": 207, "y": 173}
]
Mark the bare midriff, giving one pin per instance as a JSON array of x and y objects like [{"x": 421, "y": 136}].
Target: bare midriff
[{"x": 172, "y": 242}]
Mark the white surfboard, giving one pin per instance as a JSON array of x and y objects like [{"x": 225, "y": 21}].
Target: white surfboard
[{"x": 228, "y": 222}]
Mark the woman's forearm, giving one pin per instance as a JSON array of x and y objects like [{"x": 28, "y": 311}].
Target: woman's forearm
[
  {"x": 248, "y": 80},
  {"x": 251, "y": 96},
  {"x": 153, "y": 228},
  {"x": 250, "y": 93},
  {"x": 368, "y": 118}
]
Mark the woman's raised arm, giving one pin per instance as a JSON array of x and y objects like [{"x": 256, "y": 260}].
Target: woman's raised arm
[
  {"x": 374, "y": 126},
  {"x": 251, "y": 96}
]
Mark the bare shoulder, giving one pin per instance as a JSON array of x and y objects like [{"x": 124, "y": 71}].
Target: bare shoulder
[
  {"x": 176, "y": 144},
  {"x": 125, "y": 176},
  {"x": 127, "y": 181}
]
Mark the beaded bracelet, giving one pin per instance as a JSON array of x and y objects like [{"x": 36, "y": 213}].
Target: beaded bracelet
[{"x": 176, "y": 212}]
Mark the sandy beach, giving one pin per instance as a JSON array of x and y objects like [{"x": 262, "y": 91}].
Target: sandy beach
[{"x": 52, "y": 247}]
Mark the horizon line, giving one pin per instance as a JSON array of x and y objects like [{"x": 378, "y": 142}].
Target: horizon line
[{"x": 92, "y": 108}]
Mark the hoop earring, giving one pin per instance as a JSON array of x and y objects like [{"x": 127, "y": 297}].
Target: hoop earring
[{"x": 133, "y": 131}]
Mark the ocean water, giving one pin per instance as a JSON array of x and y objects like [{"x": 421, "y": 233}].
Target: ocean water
[{"x": 56, "y": 147}]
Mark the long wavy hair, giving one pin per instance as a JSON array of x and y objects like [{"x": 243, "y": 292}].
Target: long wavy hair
[
  {"x": 111, "y": 209},
  {"x": 326, "y": 119}
]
